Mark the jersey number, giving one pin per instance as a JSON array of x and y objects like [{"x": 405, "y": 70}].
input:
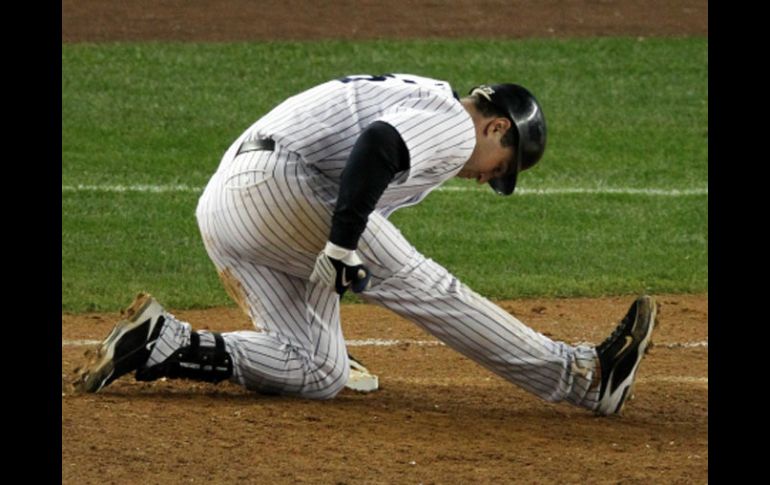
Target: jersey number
[{"x": 381, "y": 77}]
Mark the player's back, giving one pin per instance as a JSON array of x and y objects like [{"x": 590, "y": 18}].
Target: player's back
[{"x": 323, "y": 123}]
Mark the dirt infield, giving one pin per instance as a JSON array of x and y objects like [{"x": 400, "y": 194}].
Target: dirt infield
[
  {"x": 438, "y": 418},
  {"x": 236, "y": 20}
]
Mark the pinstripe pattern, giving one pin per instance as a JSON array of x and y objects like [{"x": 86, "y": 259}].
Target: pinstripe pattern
[
  {"x": 260, "y": 227},
  {"x": 425, "y": 293},
  {"x": 264, "y": 216},
  {"x": 322, "y": 124},
  {"x": 173, "y": 335}
]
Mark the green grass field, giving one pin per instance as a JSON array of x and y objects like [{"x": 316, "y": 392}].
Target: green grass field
[{"x": 624, "y": 114}]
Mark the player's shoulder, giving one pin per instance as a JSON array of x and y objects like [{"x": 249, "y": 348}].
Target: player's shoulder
[
  {"x": 404, "y": 81},
  {"x": 417, "y": 79},
  {"x": 429, "y": 84}
]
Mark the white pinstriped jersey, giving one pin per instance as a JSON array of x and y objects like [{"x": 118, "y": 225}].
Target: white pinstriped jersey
[
  {"x": 266, "y": 214},
  {"x": 323, "y": 123}
]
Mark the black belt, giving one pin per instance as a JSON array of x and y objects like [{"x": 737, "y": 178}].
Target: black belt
[{"x": 266, "y": 144}]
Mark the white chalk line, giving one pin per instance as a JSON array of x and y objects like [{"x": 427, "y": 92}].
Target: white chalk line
[
  {"x": 429, "y": 343},
  {"x": 159, "y": 189},
  {"x": 453, "y": 381},
  {"x": 374, "y": 342},
  {"x": 475, "y": 381}
]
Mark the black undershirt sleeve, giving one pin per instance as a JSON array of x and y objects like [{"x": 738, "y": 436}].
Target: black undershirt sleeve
[{"x": 377, "y": 156}]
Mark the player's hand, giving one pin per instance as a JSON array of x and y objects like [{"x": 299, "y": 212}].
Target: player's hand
[{"x": 340, "y": 268}]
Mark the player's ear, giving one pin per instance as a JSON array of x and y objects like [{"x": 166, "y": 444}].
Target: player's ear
[
  {"x": 498, "y": 126},
  {"x": 502, "y": 124}
]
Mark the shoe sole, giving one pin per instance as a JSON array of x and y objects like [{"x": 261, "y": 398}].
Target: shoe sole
[
  {"x": 644, "y": 349},
  {"x": 99, "y": 370}
]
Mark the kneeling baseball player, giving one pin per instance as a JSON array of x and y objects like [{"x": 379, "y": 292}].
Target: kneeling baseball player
[{"x": 297, "y": 214}]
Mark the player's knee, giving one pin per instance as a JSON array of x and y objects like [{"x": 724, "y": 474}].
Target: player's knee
[
  {"x": 335, "y": 381},
  {"x": 335, "y": 386},
  {"x": 325, "y": 381}
]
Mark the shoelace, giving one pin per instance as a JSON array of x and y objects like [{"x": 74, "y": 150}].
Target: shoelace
[{"x": 620, "y": 329}]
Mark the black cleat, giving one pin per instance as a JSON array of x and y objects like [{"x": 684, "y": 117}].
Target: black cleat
[
  {"x": 621, "y": 353},
  {"x": 127, "y": 347}
]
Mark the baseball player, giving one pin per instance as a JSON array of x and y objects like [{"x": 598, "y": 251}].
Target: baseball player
[{"x": 297, "y": 214}]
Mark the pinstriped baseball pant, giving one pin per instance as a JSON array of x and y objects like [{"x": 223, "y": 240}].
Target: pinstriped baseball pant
[{"x": 264, "y": 217}]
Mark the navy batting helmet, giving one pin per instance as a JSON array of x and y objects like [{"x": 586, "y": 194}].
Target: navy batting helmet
[{"x": 524, "y": 111}]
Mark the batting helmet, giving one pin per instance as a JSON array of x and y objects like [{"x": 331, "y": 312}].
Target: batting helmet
[{"x": 524, "y": 111}]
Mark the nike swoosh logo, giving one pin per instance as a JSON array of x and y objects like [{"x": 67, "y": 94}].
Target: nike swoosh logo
[
  {"x": 150, "y": 344},
  {"x": 345, "y": 281},
  {"x": 629, "y": 341},
  {"x": 106, "y": 379}
]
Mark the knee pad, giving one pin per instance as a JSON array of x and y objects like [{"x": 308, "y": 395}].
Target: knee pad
[{"x": 209, "y": 364}]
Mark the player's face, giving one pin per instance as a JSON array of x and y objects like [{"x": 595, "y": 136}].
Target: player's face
[
  {"x": 488, "y": 166},
  {"x": 485, "y": 165},
  {"x": 490, "y": 159}
]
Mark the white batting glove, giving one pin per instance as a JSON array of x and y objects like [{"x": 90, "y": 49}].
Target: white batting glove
[{"x": 340, "y": 268}]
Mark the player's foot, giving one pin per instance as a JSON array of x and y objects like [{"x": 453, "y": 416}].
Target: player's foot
[
  {"x": 360, "y": 378},
  {"x": 127, "y": 347},
  {"x": 621, "y": 353}
]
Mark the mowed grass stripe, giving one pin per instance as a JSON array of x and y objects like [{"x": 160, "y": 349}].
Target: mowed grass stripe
[
  {"x": 155, "y": 189},
  {"x": 116, "y": 244},
  {"x": 619, "y": 204},
  {"x": 621, "y": 112}
]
